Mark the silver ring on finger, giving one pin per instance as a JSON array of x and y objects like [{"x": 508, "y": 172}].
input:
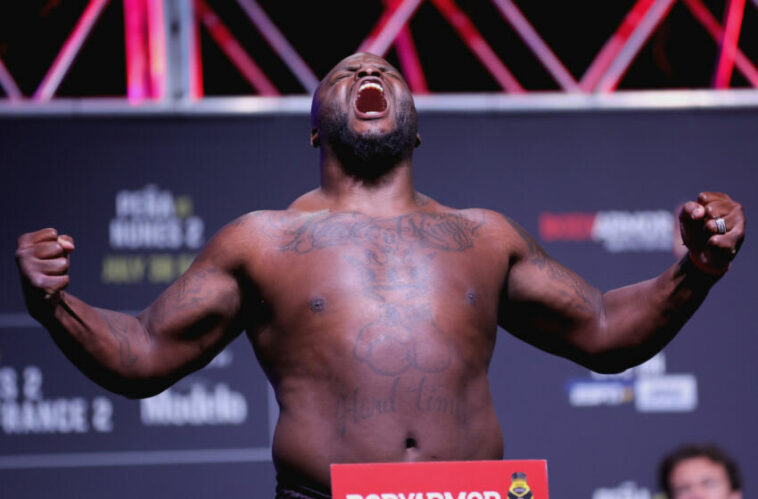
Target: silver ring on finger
[{"x": 720, "y": 225}]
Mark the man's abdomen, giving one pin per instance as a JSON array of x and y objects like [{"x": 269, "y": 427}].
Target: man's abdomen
[{"x": 412, "y": 416}]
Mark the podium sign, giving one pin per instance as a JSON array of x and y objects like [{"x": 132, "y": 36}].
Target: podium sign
[{"x": 441, "y": 480}]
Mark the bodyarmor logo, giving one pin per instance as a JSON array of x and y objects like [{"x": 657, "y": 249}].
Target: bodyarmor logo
[
  {"x": 616, "y": 230},
  {"x": 519, "y": 489}
]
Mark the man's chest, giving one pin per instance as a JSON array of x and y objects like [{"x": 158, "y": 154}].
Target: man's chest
[
  {"x": 404, "y": 257},
  {"x": 398, "y": 292},
  {"x": 408, "y": 268}
]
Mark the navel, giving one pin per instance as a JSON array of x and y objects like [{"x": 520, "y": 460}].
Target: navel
[{"x": 318, "y": 304}]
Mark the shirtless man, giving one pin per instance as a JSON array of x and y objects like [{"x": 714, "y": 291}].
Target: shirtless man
[{"x": 372, "y": 308}]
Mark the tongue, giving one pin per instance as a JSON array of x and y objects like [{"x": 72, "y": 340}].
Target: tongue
[{"x": 371, "y": 100}]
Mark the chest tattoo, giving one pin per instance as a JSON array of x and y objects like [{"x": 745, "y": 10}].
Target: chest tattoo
[{"x": 394, "y": 262}]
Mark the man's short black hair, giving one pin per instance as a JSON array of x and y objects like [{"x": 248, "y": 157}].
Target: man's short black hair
[{"x": 689, "y": 451}]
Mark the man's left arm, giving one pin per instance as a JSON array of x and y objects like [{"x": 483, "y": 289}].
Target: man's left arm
[{"x": 551, "y": 307}]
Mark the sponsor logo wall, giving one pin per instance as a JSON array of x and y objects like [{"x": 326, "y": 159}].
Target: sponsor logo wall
[
  {"x": 151, "y": 219},
  {"x": 141, "y": 196},
  {"x": 616, "y": 230},
  {"x": 648, "y": 387},
  {"x": 626, "y": 490}
]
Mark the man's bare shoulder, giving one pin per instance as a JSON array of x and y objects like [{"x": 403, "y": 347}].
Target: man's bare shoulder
[
  {"x": 496, "y": 229},
  {"x": 248, "y": 236},
  {"x": 262, "y": 227},
  {"x": 483, "y": 221}
]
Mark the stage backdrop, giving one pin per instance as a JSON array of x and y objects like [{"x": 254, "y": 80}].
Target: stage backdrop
[{"x": 141, "y": 194}]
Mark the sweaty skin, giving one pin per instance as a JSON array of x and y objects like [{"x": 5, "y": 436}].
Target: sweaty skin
[{"x": 372, "y": 308}]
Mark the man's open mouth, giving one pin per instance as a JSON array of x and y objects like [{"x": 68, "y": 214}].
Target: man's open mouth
[{"x": 370, "y": 100}]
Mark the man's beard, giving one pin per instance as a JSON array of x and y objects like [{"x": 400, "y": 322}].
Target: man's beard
[{"x": 369, "y": 157}]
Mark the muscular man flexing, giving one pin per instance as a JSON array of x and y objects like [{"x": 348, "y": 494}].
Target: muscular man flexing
[{"x": 372, "y": 308}]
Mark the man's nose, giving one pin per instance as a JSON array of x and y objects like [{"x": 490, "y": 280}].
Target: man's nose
[{"x": 368, "y": 70}]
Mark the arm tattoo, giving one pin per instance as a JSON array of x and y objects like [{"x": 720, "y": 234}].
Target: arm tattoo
[
  {"x": 583, "y": 297},
  {"x": 191, "y": 288},
  {"x": 119, "y": 328}
]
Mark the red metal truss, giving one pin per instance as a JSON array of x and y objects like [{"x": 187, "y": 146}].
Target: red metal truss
[
  {"x": 478, "y": 45},
  {"x": 537, "y": 45},
  {"x": 395, "y": 17},
  {"x": 279, "y": 43},
  {"x": 70, "y": 50},
  {"x": 613, "y": 46},
  {"x": 608, "y": 67},
  {"x": 148, "y": 68},
  {"x": 629, "y": 50},
  {"x": 145, "y": 42},
  {"x": 409, "y": 61},
  {"x": 195, "y": 63},
  {"x": 8, "y": 84},
  {"x": 234, "y": 50},
  {"x": 728, "y": 43},
  {"x": 704, "y": 17}
]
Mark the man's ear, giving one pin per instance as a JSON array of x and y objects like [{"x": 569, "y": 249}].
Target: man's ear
[
  {"x": 418, "y": 140},
  {"x": 314, "y": 137}
]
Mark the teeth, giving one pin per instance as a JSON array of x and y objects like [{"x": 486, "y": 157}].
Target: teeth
[{"x": 371, "y": 84}]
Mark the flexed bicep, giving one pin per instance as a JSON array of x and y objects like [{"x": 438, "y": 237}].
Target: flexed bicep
[
  {"x": 194, "y": 318},
  {"x": 545, "y": 303}
]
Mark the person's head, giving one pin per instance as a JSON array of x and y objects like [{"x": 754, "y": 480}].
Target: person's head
[
  {"x": 700, "y": 472},
  {"x": 363, "y": 115}
]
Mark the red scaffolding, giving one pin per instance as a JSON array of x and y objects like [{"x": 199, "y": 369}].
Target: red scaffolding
[{"x": 156, "y": 55}]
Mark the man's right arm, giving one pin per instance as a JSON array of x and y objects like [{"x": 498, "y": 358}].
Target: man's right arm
[{"x": 137, "y": 356}]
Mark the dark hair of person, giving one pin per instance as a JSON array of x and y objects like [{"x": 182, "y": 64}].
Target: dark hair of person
[{"x": 691, "y": 451}]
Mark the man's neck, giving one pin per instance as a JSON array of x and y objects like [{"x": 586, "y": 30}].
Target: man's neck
[{"x": 392, "y": 192}]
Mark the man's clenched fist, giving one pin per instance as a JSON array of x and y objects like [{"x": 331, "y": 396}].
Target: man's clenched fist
[
  {"x": 42, "y": 259},
  {"x": 713, "y": 228}
]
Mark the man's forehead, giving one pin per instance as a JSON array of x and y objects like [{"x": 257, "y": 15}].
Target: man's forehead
[
  {"x": 362, "y": 57},
  {"x": 698, "y": 465}
]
